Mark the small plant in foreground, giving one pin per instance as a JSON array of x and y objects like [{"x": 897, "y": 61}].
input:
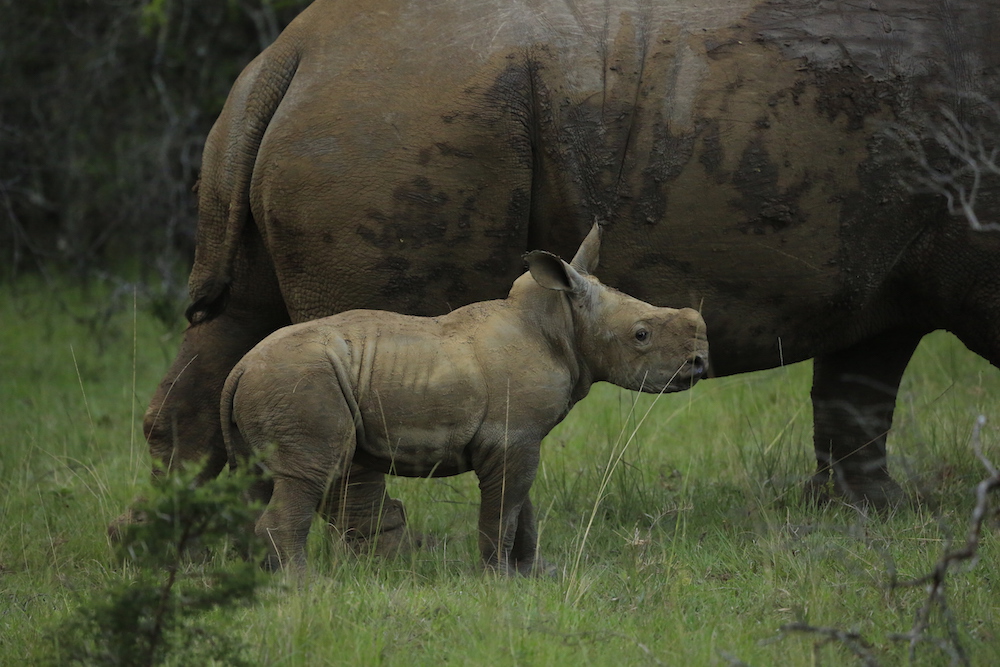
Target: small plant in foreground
[{"x": 152, "y": 617}]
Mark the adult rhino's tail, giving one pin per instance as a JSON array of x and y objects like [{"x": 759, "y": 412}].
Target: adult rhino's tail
[{"x": 227, "y": 167}]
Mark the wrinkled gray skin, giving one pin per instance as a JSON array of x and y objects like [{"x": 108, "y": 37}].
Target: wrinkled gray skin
[
  {"x": 476, "y": 389},
  {"x": 405, "y": 155}
]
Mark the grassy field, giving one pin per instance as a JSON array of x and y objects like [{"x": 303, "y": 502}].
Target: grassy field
[{"x": 676, "y": 522}]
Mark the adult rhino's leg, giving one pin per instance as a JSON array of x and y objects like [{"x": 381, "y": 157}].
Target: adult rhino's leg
[
  {"x": 360, "y": 508},
  {"x": 181, "y": 424},
  {"x": 524, "y": 552},
  {"x": 853, "y": 396}
]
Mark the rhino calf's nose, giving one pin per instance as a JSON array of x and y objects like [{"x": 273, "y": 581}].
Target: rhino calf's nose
[{"x": 699, "y": 366}]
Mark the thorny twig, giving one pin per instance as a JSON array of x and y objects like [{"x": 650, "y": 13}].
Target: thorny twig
[{"x": 935, "y": 581}]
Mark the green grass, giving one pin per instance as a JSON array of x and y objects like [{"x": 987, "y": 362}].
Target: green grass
[{"x": 680, "y": 534}]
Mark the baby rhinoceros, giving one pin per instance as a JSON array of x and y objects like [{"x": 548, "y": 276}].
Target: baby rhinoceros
[{"x": 476, "y": 389}]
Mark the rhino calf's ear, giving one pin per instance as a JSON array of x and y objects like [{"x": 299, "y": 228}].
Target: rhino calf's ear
[
  {"x": 589, "y": 254},
  {"x": 552, "y": 273}
]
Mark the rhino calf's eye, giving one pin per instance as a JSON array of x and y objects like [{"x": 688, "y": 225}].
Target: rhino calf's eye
[{"x": 642, "y": 335}]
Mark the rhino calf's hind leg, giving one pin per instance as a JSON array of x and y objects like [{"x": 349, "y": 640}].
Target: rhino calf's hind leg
[
  {"x": 284, "y": 525},
  {"x": 307, "y": 433},
  {"x": 259, "y": 492}
]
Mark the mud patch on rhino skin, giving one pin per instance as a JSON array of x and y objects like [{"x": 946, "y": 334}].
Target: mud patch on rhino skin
[
  {"x": 795, "y": 92},
  {"x": 418, "y": 219},
  {"x": 448, "y": 150},
  {"x": 712, "y": 155},
  {"x": 425, "y": 154},
  {"x": 737, "y": 289},
  {"x": 400, "y": 285},
  {"x": 766, "y": 207},
  {"x": 886, "y": 39},
  {"x": 635, "y": 286},
  {"x": 466, "y": 212},
  {"x": 584, "y": 158},
  {"x": 505, "y": 107},
  {"x": 518, "y": 211},
  {"x": 452, "y": 276},
  {"x": 380, "y": 240},
  {"x": 668, "y": 155},
  {"x": 845, "y": 91},
  {"x": 602, "y": 142},
  {"x": 508, "y": 240},
  {"x": 882, "y": 221},
  {"x": 420, "y": 192},
  {"x": 434, "y": 289},
  {"x": 716, "y": 49}
]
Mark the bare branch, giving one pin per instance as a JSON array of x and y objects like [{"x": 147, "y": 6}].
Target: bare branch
[
  {"x": 851, "y": 639},
  {"x": 732, "y": 660},
  {"x": 971, "y": 152},
  {"x": 936, "y": 579}
]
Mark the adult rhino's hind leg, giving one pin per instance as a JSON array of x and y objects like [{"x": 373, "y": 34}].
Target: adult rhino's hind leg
[
  {"x": 854, "y": 396},
  {"x": 360, "y": 509}
]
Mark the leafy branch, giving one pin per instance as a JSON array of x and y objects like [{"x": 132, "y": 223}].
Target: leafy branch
[{"x": 149, "y": 618}]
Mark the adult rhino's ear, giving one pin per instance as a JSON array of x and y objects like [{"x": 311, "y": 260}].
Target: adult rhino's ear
[
  {"x": 589, "y": 254},
  {"x": 552, "y": 273}
]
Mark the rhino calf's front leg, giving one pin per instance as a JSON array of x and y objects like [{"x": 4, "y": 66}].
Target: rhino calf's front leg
[{"x": 508, "y": 537}]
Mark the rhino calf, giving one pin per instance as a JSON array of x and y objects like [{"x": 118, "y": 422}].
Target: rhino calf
[{"x": 476, "y": 389}]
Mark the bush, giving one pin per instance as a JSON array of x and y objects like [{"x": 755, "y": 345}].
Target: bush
[{"x": 152, "y": 617}]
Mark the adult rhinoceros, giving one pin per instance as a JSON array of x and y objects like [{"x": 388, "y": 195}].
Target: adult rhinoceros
[{"x": 403, "y": 155}]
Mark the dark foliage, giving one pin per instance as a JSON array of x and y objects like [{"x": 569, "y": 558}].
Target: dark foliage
[{"x": 104, "y": 108}]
